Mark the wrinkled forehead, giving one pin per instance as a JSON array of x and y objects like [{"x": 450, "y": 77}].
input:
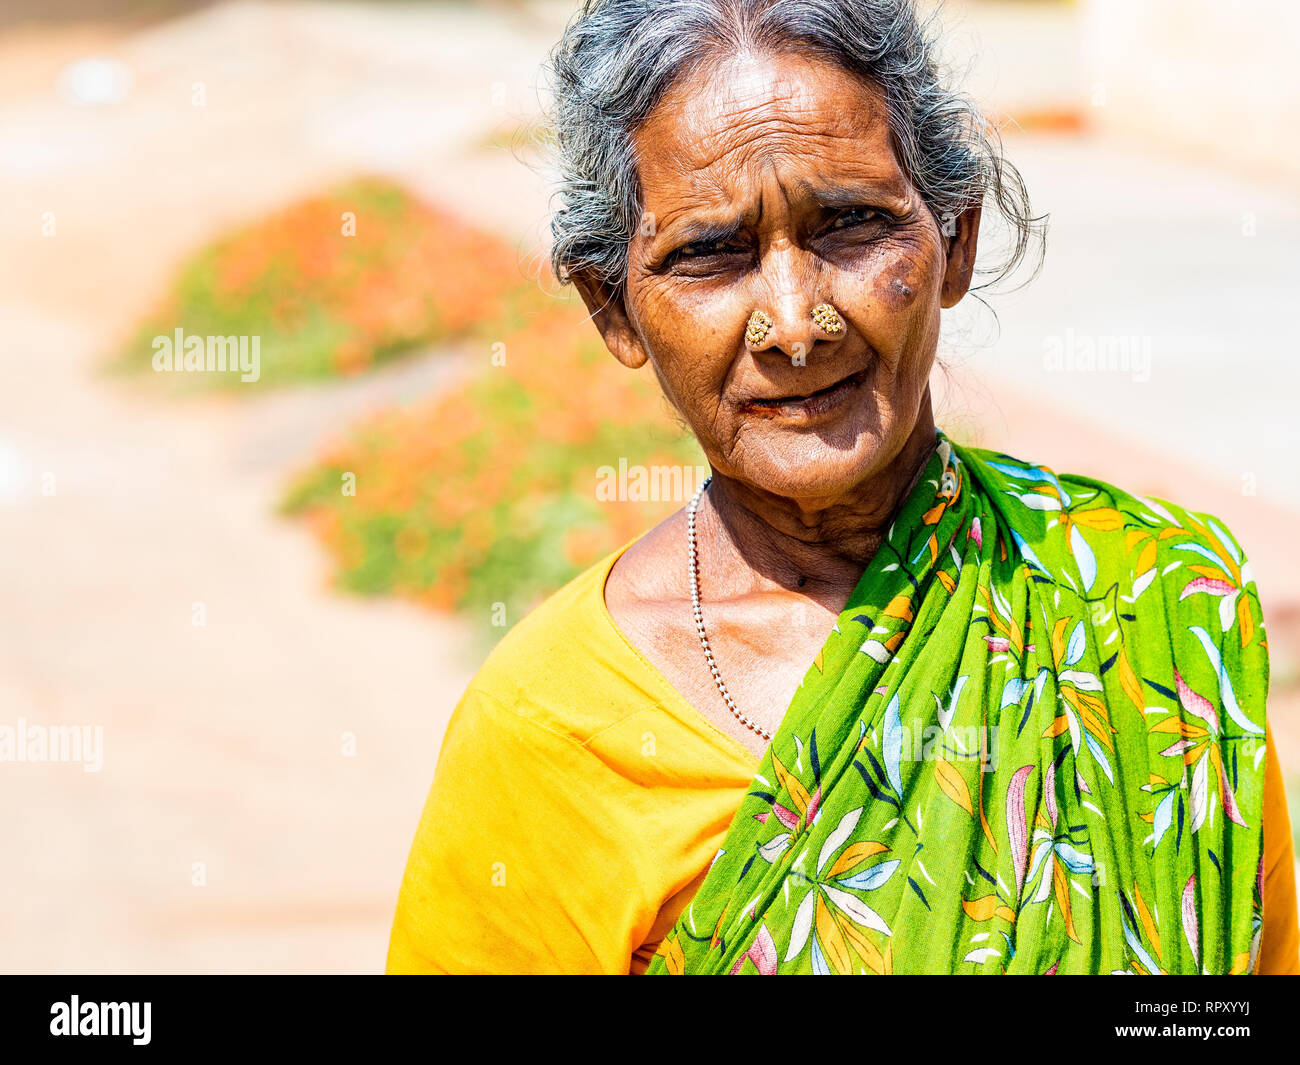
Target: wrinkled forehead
[{"x": 740, "y": 121}]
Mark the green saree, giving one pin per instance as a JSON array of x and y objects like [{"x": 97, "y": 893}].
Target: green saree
[{"x": 1033, "y": 743}]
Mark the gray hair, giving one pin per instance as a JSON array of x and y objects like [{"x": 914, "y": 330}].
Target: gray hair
[{"x": 617, "y": 59}]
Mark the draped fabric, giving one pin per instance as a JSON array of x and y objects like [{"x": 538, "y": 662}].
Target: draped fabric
[{"x": 1032, "y": 743}]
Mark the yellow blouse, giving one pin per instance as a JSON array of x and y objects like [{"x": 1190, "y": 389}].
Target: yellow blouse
[{"x": 579, "y": 799}]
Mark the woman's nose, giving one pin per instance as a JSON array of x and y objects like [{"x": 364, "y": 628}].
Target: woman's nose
[{"x": 790, "y": 315}]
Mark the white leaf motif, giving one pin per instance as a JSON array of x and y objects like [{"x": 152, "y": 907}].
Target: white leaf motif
[
  {"x": 803, "y": 918},
  {"x": 838, "y": 838},
  {"x": 857, "y": 910}
]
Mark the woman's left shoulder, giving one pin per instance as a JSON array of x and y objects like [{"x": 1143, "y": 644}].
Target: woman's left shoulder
[
  {"x": 1179, "y": 572},
  {"x": 1099, "y": 533},
  {"x": 1089, "y": 494},
  {"x": 1187, "y": 550},
  {"x": 1163, "y": 592}
]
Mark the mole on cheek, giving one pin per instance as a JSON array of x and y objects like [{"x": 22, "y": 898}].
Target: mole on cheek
[{"x": 894, "y": 292}]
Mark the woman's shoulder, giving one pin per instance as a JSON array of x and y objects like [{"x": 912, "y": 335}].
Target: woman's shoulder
[
  {"x": 564, "y": 664},
  {"x": 1097, "y": 529}
]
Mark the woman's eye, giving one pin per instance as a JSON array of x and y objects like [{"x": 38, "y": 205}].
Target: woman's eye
[
  {"x": 702, "y": 257},
  {"x": 856, "y": 216},
  {"x": 702, "y": 248}
]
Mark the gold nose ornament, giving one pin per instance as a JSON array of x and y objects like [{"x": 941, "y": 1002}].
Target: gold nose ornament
[
  {"x": 827, "y": 319},
  {"x": 758, "y": 327}
]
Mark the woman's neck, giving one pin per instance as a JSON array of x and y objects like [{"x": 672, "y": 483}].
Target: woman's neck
[{"x": 809, "y": 547}]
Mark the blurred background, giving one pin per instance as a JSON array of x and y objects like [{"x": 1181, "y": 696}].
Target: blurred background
[{"x": 267, "y": 596}]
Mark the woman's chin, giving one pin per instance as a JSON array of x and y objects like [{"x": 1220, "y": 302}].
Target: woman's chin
[{"x": 812, "y": 467}]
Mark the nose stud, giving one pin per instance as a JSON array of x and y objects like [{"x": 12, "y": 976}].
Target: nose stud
[
  {"x": 824, "y": 316},
  {"x": 828, "y": 319},
  {"x": 759, "y": 325}
]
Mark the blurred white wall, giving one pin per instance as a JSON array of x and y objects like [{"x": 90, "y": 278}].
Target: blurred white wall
[{"x": 1209, "y": 75}]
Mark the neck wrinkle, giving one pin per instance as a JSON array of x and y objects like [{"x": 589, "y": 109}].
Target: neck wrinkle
[{"x": 834, "y": 549}]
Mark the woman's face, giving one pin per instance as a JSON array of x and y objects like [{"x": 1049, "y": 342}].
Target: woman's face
[{"x": 771, "y": 183}]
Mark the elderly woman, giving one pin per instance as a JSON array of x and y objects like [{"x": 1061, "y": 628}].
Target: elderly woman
[{"x": 872, "y": 702}]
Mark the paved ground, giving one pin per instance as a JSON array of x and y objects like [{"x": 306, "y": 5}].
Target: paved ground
[{"x": 223, "y": 743}]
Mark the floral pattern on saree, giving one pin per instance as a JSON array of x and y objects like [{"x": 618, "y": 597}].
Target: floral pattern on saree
[{"x": 1032, "y": 743}]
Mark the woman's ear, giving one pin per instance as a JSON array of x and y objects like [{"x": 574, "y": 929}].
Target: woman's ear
[
  {"x": 961, "y": 257},
  {"x": 610, "y": 315}
]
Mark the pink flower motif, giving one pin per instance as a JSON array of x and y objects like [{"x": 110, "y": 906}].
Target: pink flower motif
[
  {"x": 1230, "y": 809},
  {"x": 814, "y": 804},
  {"x": 976, "y": 533},
  {"x": 1195, "y": 704},
  {"x": 762, "y": 954},
  {"x": 786, "y": 816},
  {"x": 1017, "y": 829},
  {"x": 1206, "y": 584}
]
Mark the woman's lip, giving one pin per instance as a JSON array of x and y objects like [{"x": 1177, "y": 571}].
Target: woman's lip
[{"x": 814, "y": 403}]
